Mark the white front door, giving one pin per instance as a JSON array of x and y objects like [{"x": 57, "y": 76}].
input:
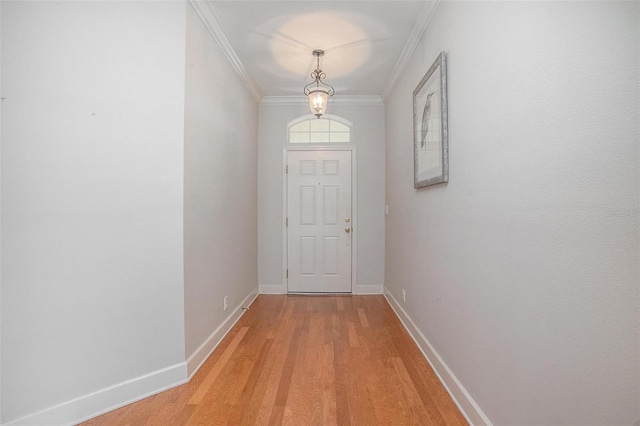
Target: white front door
[{"x": 319, "y": 221}]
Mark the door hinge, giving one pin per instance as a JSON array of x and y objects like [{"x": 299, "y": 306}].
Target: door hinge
[
  {"x": 287, "y": 222},
  {"x": 286, "y": 169},
  {"x": 287, "y": 273}
]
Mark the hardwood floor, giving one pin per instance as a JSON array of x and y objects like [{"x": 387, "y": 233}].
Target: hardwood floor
[{"x": 305, "y": 360}]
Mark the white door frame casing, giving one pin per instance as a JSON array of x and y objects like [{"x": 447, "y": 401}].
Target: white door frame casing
[{"x": 354, "y": 209}]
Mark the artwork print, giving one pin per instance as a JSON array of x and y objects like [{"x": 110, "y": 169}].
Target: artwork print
[{"x": 430, "y": 126}]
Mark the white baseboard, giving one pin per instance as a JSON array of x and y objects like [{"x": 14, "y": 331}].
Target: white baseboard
[
  {"x": 272, "y": 289},
  {"x": 107, "y": 399},
  {"x": 200, "y": 355},
  {"x": 125, "y": 393},
  {"x": 369, "y": 289},
  {"x": 470, "y": 410}
]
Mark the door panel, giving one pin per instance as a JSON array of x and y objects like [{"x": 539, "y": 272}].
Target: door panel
[
  {"x": 308, "y": 255},
  {"x": 307, "y": 205},
  {"x": 330, "y": 200},
  {"x": 331, "y": 255},
  {"x": 318, "y": 211}
]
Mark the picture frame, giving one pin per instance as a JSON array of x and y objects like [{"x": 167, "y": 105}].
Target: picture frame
[{"x": 430, "y": 126}]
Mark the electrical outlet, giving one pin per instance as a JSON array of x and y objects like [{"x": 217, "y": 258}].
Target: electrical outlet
[
  {"x": 225, "y": 302},
  {"x": 404, "y": 296}
]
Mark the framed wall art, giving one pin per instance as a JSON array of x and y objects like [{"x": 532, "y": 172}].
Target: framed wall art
[{"x": 430, "y": 133}]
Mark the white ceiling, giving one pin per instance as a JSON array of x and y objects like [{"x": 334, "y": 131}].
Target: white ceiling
[{"x": 365, "y": 42}]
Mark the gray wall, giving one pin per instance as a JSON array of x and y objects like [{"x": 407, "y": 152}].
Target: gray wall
[
  {"x": 220, "y": 206},
  {"x": 522, "y": 271},
  {"x": 129, "y": 202},
  {"x": 92, "y": 197}
]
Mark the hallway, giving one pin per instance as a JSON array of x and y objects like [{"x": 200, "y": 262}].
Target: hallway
[{"x": 301, "y": 360}]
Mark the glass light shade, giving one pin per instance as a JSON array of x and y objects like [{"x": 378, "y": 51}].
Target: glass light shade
[{"x": 318, "y": 98}]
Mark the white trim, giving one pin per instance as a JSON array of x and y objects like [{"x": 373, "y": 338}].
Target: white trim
[
  {"x": 354, "y": 208},
  {"x": 200, "y": 355},
  {"x": 211, "y": 21},
  {"x": 354, "y": 219},
  {"x": 419, "y": 28},
  {"x": 272, "y": 289},
  {"x": 339, "y": 99},
  {"x": 116, "y": 396},
  {"x": 469, "y": 408},
  {"x": 369, "y": 289},
  {"x": 108, "y": 399},
  {"x": 285, "y": 240}
]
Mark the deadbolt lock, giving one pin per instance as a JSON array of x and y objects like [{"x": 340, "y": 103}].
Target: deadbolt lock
[{"x": 347, "y": 220}]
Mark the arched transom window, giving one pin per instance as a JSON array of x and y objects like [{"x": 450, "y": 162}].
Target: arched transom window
[{"x": 328, "y": 129}]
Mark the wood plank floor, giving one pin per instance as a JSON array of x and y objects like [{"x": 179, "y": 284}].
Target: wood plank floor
[{"x": 305, "y": 360}]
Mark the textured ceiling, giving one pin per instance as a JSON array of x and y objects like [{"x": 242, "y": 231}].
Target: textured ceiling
[{"x": 363, "y": 41}]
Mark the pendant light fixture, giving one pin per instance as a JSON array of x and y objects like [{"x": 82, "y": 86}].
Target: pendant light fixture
[{"x": 318, "y": 91}]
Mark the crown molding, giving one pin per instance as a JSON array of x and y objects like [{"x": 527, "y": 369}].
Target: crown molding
[
  {"x": 337, "y": 100},
  {"x": 419, "y": 28},
  {"x": 211, "y": 21}
]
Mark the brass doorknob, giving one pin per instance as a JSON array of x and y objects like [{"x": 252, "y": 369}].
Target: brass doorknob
[{"x": 347, "y": 229}]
